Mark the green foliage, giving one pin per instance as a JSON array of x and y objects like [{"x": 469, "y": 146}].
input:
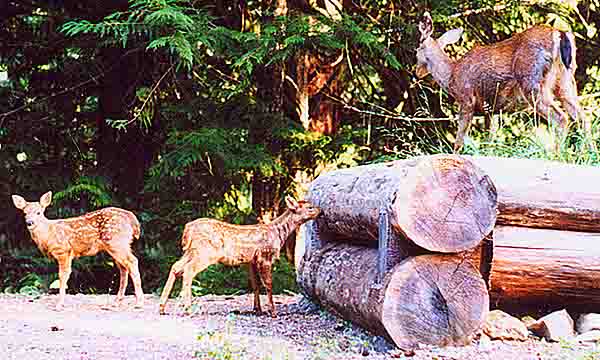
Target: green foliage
[
  {"x": 149, "y": 20},
  {"x": 219, "y": 345},
  {"x": 172, "y": 108},
  {"x": 223, "y": 280},
  {"x": 213, "y": 149},
  {"x": 95, "y": 189},
  {"x": 32, "y": 284},
  {"x": 325, "y": 348}
]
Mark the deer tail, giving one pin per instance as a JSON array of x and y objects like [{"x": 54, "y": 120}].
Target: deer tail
[
  {"x": 566, "y": 49},
  {"x": 135, "y": 224},
  {"x": 186, "y": 239}
]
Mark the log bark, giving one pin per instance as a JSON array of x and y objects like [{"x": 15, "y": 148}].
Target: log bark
[
  {"x": 544, "y": 194},
  {"x": 437, "y": 299},
  {"x": 545, "y": 268},
  {"x": 440, "y": 203}
]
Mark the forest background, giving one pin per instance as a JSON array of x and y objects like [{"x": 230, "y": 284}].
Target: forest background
[{"x": 181, "y": 109}]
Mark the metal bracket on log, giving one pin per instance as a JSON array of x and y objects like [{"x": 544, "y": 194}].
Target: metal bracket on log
[{"x": 389, "y": 252}]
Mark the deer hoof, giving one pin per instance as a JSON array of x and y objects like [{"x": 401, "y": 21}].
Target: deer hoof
[{"x": 188, "y": 309}]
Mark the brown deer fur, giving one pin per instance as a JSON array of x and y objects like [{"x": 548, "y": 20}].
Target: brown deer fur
[
  {"x": 530, "y": 68},
  {"x": 109, "y": 229},
  {"x": 209, "y": 241}
]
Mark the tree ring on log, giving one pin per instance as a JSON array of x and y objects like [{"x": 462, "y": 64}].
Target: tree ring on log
[
  {"x": 451, "y": 205},
  {"x": 434, "y": 299}
]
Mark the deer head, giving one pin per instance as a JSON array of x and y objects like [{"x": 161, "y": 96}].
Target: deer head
[
  {"x": 34, "y": 211},
  {"x": 431, "y": 57},
  {"x": 303, "y": 209}
]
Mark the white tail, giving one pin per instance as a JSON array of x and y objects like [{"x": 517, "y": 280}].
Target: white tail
[{"x": 531, "y": 68}]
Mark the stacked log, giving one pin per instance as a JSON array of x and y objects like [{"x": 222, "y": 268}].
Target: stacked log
[
  {"x": 545, "y": 268},
  {"x": 399, "y": 246},
  {"x": 367, "y": 256},
  {"x": 544, "y": 194},
  {"x": 431, "y": 299},
  {"x": 440, "y": 203},
  {"x": 545, "y": 251}
]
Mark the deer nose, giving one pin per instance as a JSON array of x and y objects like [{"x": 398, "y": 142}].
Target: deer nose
[{"x": 29, "y": 222}]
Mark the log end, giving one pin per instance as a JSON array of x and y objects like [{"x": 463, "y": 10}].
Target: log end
[
  {"x": 434, "y": 299},
  {"x": 451, "y": 207}
]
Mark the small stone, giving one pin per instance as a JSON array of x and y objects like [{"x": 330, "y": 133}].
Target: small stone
[
  {"x": 528, "y": 320},
  {"x": 590, "y": 336},
  {"x": 410, "y": 353},
  {"x": 364, "y": 350},
  {"x": 555, "y": 326},
  {"x": 501, "y": 326},
  {"x": 588, "y": 322}
]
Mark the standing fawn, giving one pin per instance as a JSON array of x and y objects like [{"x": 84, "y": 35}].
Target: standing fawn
[
  {"x": 209, "y": 241},
  {"x": 530, "y": 68},
  {"x": 109, "y": 229}
]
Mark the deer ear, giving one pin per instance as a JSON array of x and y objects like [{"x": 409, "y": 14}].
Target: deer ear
[
  {"x": 19, "y": 202},
  {"x": 426, "y": 26},
  {"x": 291, "y": 203},
  {"x": 46, "y": 199},
  {"x": 450, "y": 37}
]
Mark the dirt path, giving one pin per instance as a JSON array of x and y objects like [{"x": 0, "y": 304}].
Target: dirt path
[{"x": 89, "y": 328}]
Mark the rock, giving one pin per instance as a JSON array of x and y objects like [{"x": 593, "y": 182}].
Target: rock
[
  {"x": 528, "y": 320},
  {"x": 554, "y": 326},
  {"x": 501, "y": 326},
  {"x": 588, "y": 322},
  {"x": 590, "y": 336},
  {"x": 305, "y": 305},
  {"x": 381, "y": 344}
]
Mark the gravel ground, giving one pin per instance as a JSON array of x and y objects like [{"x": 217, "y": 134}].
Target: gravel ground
[{"x": 220, "y": 327}]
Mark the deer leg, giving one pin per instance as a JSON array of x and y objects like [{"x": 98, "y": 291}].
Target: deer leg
[
  {"x": 176, "y": 271},
  {"x": 265, "y": 271},
  {"x": 255, "y": 287},
  {"x": 131, "y": 263},
  {"x": 190, "y": 270},
  {"x": 567, "y": 94},
  {"x": 464, "y": 123},
  {"x": 491, "y": 125},
  {"x": 64, "y": 272},
  {"x": 124, "y": 277},
  {"x": 555, "y": 116}
]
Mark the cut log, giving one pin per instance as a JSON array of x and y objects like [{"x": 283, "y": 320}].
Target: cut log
[
  {"x": 544, "y": 194},
  {"x": 437, "y": 299},
  {"x": 441, "y": 203},
  {"x": 545, "y": 268}
]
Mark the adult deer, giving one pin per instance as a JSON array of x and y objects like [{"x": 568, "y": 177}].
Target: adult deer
[
  {"x": 109, "y": 229},
  {"x": 530, "y": 68},
  {"x": 209, "y": 241}
]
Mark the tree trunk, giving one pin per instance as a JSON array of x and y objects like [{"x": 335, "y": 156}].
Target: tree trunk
[
  {"x": 432, "y": 299},
  {"x": 441, "y": 203},
  {"x": 123, "y": 156},
  {"x": 544, "y": 194},
  {"x": 542, "y": 267}
]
